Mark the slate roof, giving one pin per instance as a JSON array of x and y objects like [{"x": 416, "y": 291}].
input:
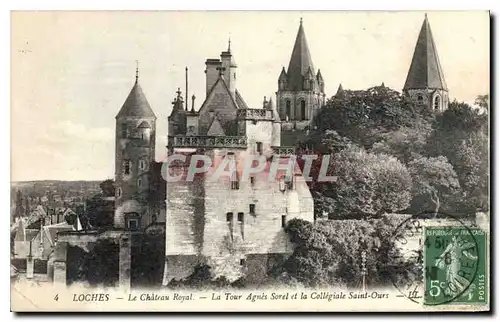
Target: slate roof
[
  {"x": 300, "y": 61},
  {"x": 425, "y": 69},
  {"x": 240, "y": 103},
  {"x": 136, "y": 104}
]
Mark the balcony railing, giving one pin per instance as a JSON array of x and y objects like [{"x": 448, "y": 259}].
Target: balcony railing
[
  {"x": 198, "y": 141},
  {"x": 283, "y": 151},
  {"x": 255, "y": 114}
]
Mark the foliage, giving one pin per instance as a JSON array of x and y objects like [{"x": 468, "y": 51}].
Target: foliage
[
  {"x": 483, "y": 101},
  {"x": 406, "y": 143},
  {"x": 98, "y": 266},
  {"x": 202, "y": 278},
  {"x": 368, "y": 184},
  {"x": 434, "y": 180},
  {"x": 461, "y": 135},
  {"x": 329, "y": 253},
  {"x": 108, "y": 188},
  {"x": 362, "y": 116}
]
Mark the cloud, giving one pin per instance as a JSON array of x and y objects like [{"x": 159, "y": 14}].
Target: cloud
[{"x": 71, "y": 130}]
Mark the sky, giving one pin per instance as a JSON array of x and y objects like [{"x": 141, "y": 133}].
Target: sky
[{"x": 72, "y": 71}]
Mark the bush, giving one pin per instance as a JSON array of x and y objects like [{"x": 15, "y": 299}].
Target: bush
[{"x": 329, "y": 253}]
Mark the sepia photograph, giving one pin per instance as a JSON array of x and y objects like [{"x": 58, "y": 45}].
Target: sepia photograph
[{"x": 270, "y": 161}]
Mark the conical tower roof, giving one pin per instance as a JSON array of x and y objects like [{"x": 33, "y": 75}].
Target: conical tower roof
[
  {"x": 425, "y": 69},
  {"x": 340, "y": 92},
  {"x": 300, "y": 61},
  {"x": 136, "y": 104}
]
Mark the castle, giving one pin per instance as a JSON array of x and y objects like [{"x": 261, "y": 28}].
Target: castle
[{"x": 236, "y": 226}]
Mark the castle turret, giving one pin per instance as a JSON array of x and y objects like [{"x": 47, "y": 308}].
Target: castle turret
[
  {"x": 177, "y": 121},
  {"x": 425, "y": 83},
  {"x": 134, "y": 156}
]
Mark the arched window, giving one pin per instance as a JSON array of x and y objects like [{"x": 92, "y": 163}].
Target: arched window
[
  {"x": 288, "y": 108},
  {"x": 420, "y": 99},
  {"x": 437, "y": 102},
  {"x": 303, "y": 110},
  {"x": 119, "y": 192}
]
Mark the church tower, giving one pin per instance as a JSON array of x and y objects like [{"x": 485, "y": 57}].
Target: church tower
[
  {"x": 301, "y": 90},
  {"x": 425, "y": 83},
  {"x": 134, "y": 157}
]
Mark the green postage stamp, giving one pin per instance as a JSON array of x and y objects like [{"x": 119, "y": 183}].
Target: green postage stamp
[{"x": 455, "y": 266}]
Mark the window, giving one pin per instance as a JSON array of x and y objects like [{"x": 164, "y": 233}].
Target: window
[
  {"x": 124, "y": 130},
  {"x": 142, "y": 165},
  {"x": 133, "y": 224},
  {"x": 242, "y": 262},
  {"x": 229, "y": 217},
  {"x": 235, "y": 184},
  {"x": 139, "y": 183},
  {"x": 283, "y": 221},
  {"x": 241, "y": 217},
  {"x": 126, "y": 166},
  {"x": 252, "y": 208},
  {"x": 119, "y": 192},
  {"x": 420, "y": 99},
  {"x": 252, "y": 181},
  {"x": 437, "y": 102},
  {"x": 288, "y": 108},
  {"x": 303, "y": 110},
  {"x": 289, "y": 182},
  {"x": 259, "y": 147}
]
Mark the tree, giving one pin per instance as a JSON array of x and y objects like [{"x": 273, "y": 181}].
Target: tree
[
  {"x": 483, "y": 101},
  {"x": 329, "y": 253},
  {"x": 461, "y": 135},
  {"x": 367, "y": 184},
  {"x": 433, "y": 180},
  {"x": 406, "y": 143},
  {"x": 362, "y": 116},
  {"x": 108, "y": 188}
]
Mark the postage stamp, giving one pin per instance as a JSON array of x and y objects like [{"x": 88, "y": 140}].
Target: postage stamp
[{"x": 455, "y": 266}]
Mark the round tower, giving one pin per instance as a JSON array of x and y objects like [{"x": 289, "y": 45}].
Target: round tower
[{"x": 134, "y": 157}]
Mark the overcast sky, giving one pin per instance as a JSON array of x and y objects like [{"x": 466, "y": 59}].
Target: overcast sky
[{"x": 71, "y": 71}]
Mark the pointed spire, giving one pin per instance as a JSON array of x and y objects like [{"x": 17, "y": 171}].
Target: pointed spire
[
  {"x": 282, "y": 76},
  {"x": 187, "y": 97},
  {"x": 382, "y": 85},
  {"x": 136, "y": 104},
  {"x": 319, "y": 76},
  {"x": 300, "y": 61},
  {"x": 136, "y": 71},
  {"x": 229, "y": 45},
  {"x": 340, "y": 92},
  {"x": 192, "y": 102},
  {"x": 425, "y": 69}
]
